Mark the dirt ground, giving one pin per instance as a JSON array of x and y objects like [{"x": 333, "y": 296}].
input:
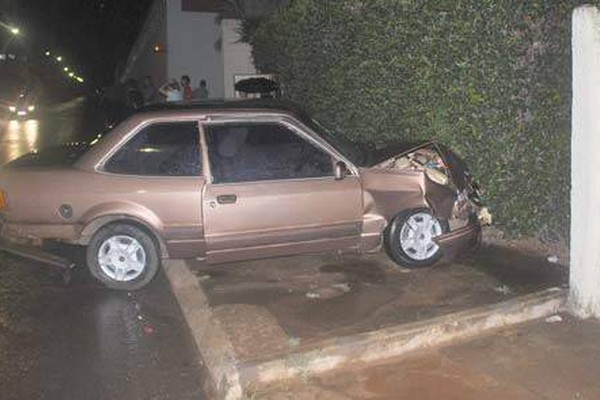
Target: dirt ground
[
  {"x": 273, "y": 306},
  {"x": 537, "y": 360}
]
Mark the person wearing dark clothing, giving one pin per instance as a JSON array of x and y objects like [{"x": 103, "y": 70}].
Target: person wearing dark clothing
[
  {"x": 188, "y": 94},
  {"x": 202, "y": 91},
  {"x": 149, "y": 90},
  {"x": 135, "y": 99}
]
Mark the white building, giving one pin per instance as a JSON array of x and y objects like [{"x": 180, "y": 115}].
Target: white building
[{"x": 198, "y": 38}]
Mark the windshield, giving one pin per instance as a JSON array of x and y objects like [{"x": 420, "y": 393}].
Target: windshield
[{"x": 349, "y": 149}]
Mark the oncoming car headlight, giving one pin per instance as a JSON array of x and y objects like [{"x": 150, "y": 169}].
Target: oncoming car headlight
[
  {"x": 31, "y": 108},
  {"x": 437, "y": 176},
  {"x": 12, "y": 109}
]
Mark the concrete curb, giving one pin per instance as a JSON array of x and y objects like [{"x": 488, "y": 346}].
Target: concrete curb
[
  {"x": 399, "y": 340},
  {"x": 211, "y": 340},
  {"x": 230, "y": 376}
]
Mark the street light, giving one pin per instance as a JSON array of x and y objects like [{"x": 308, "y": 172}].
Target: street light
[
  {"x": 13, "y": 30},
  {"x": 59, "y": 58}
]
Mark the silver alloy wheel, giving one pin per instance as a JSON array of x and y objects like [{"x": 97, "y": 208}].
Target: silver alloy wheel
[
  {"x": 416, "y": 236},
  {"x": 122, "y": 258}
]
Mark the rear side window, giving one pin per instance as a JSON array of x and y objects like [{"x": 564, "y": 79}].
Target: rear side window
[{"x": 165, "y": 149}]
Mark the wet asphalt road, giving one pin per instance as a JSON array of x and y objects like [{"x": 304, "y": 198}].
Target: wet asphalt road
[
  {"x": 49, "y": 126},
  {"x": 82, "y": 341}
]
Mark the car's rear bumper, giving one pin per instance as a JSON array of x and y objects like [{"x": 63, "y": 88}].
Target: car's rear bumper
[
  {"x": 35, "y": 233},
  {"x": 18, "y": 242},
  {"x": 459, "y": 240},
  {"x": 35, "y": 253}
]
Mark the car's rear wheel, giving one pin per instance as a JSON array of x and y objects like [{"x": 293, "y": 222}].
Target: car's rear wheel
[
  {"x": 123, "y": 256},
  {"x": 410, "y": 238}
]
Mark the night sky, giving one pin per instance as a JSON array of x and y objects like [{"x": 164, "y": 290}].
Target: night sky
[{"x": 92, "y": 35}]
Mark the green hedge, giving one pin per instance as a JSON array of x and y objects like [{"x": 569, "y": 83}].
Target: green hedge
[{"x": 490, "y": 78}]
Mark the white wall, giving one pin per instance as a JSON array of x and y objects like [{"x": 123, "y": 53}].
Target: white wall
[
  {"x": 194, "y": 47},
  {"x": 585, "y": 164},
  {"x": 237, "y": 56}
]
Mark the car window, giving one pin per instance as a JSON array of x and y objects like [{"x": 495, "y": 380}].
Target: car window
[
  {"x": 164, "y": 149},
  {"x": 245, "y": 152}
]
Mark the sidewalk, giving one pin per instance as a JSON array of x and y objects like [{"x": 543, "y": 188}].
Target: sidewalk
[
  {"x": 260, "y": 323},
  {"x": 277, "y": 305},
  {"x": 537, "y": 360}
]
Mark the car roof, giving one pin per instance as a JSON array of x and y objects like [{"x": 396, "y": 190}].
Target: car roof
[
  {"x": 175, "y": 110},
  {"x": 244, "y": 105}
]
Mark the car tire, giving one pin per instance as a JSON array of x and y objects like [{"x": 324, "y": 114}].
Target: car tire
[
  {"x": 409, "y": 238},
  {"x": 123, "y": 257}
]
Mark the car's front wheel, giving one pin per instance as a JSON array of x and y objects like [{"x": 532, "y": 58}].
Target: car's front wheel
[
  {"x": 123, "y": 256},
  {"x": 410, "y": 238}
]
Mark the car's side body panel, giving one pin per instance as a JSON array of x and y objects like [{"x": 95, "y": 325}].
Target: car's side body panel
[
  {"x": 170, "y": 207},
  {"x": 278, "y": 217},
  {"x": 267, "y": 218}
]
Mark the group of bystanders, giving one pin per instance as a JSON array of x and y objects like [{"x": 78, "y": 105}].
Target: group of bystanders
[{"x": 170, "y": 91}]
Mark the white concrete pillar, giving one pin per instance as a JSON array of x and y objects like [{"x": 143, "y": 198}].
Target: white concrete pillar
[{"x": 585, "y": 164}]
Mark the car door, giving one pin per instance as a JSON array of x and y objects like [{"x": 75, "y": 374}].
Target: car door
[{"x": 272, "y": 192}]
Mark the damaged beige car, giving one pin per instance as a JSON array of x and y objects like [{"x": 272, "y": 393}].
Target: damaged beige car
[{"x": 234, "y": 181}]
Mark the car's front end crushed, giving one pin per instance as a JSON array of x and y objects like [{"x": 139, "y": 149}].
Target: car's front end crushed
[{"x": 445, "y": 187}]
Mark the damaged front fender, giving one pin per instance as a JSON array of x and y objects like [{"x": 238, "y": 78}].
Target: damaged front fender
[
  {"x": 459, "y": 240},
  {"x": 446, "y": 184},
  {"x": 427, "y": 176}
]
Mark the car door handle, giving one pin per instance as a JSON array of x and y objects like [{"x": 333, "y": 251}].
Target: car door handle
[{"x": 226, "y": 199}]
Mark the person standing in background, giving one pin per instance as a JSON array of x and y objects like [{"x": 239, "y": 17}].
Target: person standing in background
[
  {"x": 202, "y": 91},
  {"x": 149, "y": 90},
  {"x": 188, "y": 94},
  {"x": 171, "y": 91},
  {"x": 135, "y": 99}
]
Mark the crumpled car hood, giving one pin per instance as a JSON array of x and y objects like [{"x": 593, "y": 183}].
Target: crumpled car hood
[{"x": 378, "y": 154}]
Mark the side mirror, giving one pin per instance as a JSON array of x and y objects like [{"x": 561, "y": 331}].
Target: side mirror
[{"x": 340, "y": 170}]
